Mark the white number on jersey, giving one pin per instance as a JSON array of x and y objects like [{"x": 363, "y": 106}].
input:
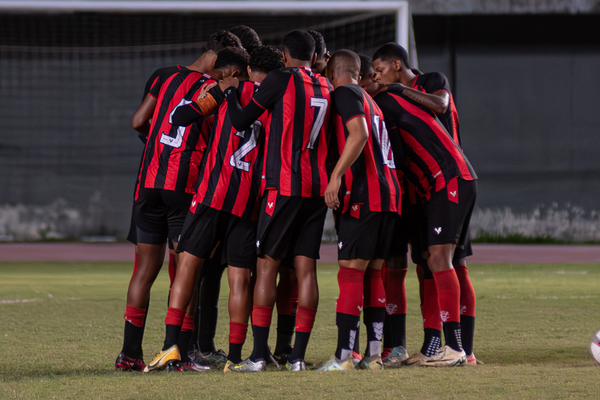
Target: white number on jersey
[
  {"x": 321, "y": 104},
  {"x": 383, "y": 138},
  {"x": 237, "y": 158},
  {"x": 176, "y": 141}
]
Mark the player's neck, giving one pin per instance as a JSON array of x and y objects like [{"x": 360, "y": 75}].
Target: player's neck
[
  {"x": 204, "y": 64},
  {"x": 407, "y": 78},
  {"x": 293, "y": 62}
]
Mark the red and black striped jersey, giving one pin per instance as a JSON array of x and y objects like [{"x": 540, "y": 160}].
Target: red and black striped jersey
[
  {"x": 432, "y": 82},
  {"x": 297, "y": 136},
  {"x": 433, "y": 158},
  {"x": 173, "y": 153},
  {"x": 158, "y": 77},
  {"x": 231, "y": 170},
  {"x": 371, "y": 180}
]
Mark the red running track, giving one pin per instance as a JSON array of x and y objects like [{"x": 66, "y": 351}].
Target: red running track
[{"x": 484, "y": 253}]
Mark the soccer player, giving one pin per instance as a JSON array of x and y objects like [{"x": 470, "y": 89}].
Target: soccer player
[
  {"x": 168, "y": 172},
  {"x": 321, "y": 51},
  {"x": 444, "y": 179},
  {"x": 292, "y": 213},
  {"x": 248, "y": 36},
  {"x": 364, "y": 190}
]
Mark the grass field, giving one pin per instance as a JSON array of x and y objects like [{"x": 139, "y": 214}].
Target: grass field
[{"x": 534, "y": 325}]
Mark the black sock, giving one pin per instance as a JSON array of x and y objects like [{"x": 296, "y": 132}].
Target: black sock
[
  {"x": 210, "y": 288},
  {"x": 132, "y": 340},
  {"x": 374, "y": 318},
  {"x": 432, "y": 341},
  {"x": 285, "y": 333},
  {"x": 467, "y": 325},
  {"x": 261, "y": 343},
  {"x": 300, "y": 345},
  {"x": 452, "y": 335},
  {"x": 182, "y": 344},
  {"x": 394, "y": 331},
  {"x": 356, "y": 347},
  {"x": 347, "y": 326},
  {"x": 235, "y": 352},
  {"x": 171, "y": 336}
]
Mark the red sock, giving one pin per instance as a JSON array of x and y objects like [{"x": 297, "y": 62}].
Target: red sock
[
  {"x": 421, "y": 285},
  {"x": 305, "y": 319},
  {"x": 350, "y": 281},
  {"x": 188, "y": 323},
  {"x": 287, "y": 297},
  {"x": 467, "y": 293},
  {"x": 374, "y": 290},
  {"x": 430, "y": 306},
  {"x": 175, "y": 316},
  {"x": 395, "y": 290},
  {"x": 172, "y": 269},
  {"x": 135, "y": 265},
  {"x": 261, "y": 316},
  {"x": 448, "y": 289},
  {"x": 135, "y": 316},
  {"x": 237, "y": 332}
]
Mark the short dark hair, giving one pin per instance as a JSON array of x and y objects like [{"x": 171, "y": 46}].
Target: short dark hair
[
  {"x": 221, "y": 39},
  {"x": 248, "y": 36},
  {"x": 345, "y": 62},
  {"x": 266, "y": 59},
  {"x": 299, "y": 44},
  {"x": 320, "y": 45},
  {"x": 390, "y": 52},
  {"x": 365, "y": 63},
  {"x": 232, "y": 56}
]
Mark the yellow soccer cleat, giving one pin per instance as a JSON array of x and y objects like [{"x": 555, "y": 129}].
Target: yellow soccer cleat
[{"x": 162, "y": 358}]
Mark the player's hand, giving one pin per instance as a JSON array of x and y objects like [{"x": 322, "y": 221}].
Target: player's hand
[
  {"x": 228, "y": 82},
  {"x": 331, "y": 193},
  {"x": 205, "y": 90}
]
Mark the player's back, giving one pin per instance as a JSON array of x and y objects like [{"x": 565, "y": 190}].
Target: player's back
[
  {"x": 173, "y": 153},
  {"x": 297, "y": 135},
  {"x": 230, "y": 173}
]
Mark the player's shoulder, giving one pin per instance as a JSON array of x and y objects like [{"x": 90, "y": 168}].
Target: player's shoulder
[
  {"x": 348, "y": 91},
  {"x": 434, "y": 80}
]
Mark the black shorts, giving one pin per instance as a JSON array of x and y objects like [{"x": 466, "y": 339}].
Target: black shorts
[
  {"x": 132, "y": 234},
  {"x": 448, "y": 213},
  {"x": 290, "y": 226},
  {"x": 159, "y": 214},
  {"x": 366, "y": 235},
  {"x": 417, "y": 231},
  {"x": 463, "y": 250},
  {"x": 207, "y": 227},
  {"x": 401, "y": 235}
]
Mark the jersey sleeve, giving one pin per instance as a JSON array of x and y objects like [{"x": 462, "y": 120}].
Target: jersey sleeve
[
  {"x": 435, "y": 82},
  {"x": 348, "y": 103},
  {"x": 271, "y": 89}
]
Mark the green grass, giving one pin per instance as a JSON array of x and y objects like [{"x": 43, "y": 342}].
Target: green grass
[{"x": 534, "y": 325}]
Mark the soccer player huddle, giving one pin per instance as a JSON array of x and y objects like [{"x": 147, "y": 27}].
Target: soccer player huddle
[{"x": 246, "y": 149}]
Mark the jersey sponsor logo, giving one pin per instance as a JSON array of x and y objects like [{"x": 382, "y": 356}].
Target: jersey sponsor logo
[
  {"x": 444, "y": 315},
  {"x": 391, "y": 308},
  {"x": 438, "y": 230}
]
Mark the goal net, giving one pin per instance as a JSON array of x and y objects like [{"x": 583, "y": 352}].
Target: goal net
[{"x": 72, "y": 74}]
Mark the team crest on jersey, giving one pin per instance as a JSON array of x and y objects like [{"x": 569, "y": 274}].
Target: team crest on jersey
[
  {"x": 444, "y": 315},
  {"x": 391, "y": 308},
  {"x": 355, "y": 210},
  {"x": 438, "y": 230}
]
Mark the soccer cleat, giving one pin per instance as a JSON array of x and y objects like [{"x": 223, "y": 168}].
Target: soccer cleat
[
  {"x": 395, "y": 358},
  {"x": 356, "y": 357},
  {"x": 417, "y": 359},
  {"x": 193, "y": 366},
  {"x": 337, "y": 365},
  {"x": 282, "y": 358},
  {"x": 216, "y": 359},
  {"x": 272, "y": 361},
  {"x": 249, "y": 366},
  {"x": 228, "y": 365},
  {"x": 386, "y": 352},
  {"x": 125, "y": 363},
  {"x": 162, "y": 358},
  {"x": 447, "y": 357},
  {"x": 472, "y": 360},
  {"x": 296, "y": 366},
  {"x": 372, "y": 362}
]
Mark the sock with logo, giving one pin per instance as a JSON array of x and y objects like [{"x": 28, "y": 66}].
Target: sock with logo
[
  {"x": 374, "y": 315},
  {"x": 395, "y": 319},
  {"x": 432, "y": 322},
  {"x": 448, "y": 290},
  {"x": 348, "y": 308},
  {"x": 261, "y": 323},
  {"x": 467, "y": 308},
  {"x": 305, "y": 319}
]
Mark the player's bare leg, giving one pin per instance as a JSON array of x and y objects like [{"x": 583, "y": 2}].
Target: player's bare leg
[{"x": 240, "y": 307}]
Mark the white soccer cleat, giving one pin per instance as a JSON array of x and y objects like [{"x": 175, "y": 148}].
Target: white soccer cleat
[{"x": 447, "y": 357}]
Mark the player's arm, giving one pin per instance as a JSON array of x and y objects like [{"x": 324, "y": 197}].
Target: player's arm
[
  {"x": 141, "y": 119},
  {"x": 437, "y": 101},
  {"x": 270, "y": 90},
  {"x": 351, "y": 109},
  {"x": 206, "y": 103}
]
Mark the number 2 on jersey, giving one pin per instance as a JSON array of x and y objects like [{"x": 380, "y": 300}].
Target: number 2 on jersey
[
  {"x": 237, "y": 158},
  {"x": 321, "y": 105}
]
